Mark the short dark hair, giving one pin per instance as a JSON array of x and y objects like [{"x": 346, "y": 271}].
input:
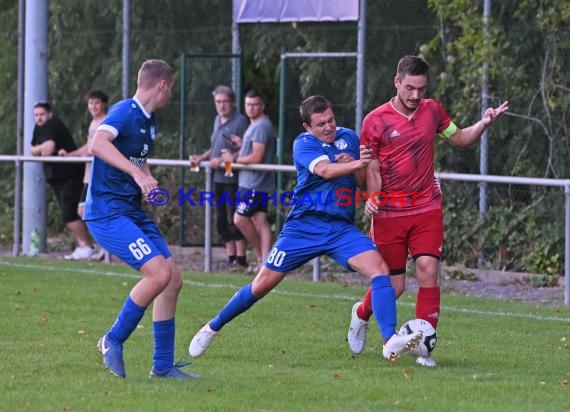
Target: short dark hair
[
  {"x": 413, "y": 66},
  {"x": 44, "y": 105},
  {"x": 311, "y": 105},
  {"x": 97, "y": 94},
  {"x": 254, "y": 93}
]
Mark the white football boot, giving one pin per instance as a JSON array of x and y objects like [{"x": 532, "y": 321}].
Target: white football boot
[
  {"x": 398, "y": 345},
  {"x": 201, "y": 341},
  {"x": 357, "y": 331}
]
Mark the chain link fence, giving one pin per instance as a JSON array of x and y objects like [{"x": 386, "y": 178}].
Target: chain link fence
[{"x": 527, "y": 53}]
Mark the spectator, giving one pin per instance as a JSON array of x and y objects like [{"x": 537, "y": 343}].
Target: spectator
[
  {"x": 49, "y": 137},
  {"x": 229, "y": 124},
  {"x": 258, "y": 146},
  {"x": 97, "y": 107}
]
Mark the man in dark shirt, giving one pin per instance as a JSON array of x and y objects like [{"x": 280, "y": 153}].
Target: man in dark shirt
[{"x": 66, "y": 179}]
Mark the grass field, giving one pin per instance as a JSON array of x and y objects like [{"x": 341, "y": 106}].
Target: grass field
[{"x": 288, "y": 353}]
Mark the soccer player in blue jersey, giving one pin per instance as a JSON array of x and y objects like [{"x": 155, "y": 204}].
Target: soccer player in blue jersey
[
  {"x": 327, "y": 159},
  {"x": 120, "y": 179}
]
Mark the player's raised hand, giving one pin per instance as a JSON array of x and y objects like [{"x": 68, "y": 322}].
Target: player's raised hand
[{"x": 492, "y": 114}]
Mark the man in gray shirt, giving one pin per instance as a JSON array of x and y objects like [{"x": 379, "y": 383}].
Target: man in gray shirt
[
  {"x": 255, "y": 186},
  {"x": 229, "y": 124}
]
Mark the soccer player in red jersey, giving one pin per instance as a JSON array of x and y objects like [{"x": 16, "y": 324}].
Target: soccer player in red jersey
[{"x": 401, "y": 134}]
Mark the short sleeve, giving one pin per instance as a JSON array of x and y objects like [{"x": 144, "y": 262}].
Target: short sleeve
[
  {"x": 369, "y": 137},
  {"x": 308, "y": 152}
]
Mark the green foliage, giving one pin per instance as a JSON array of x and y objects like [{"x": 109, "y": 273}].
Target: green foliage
[
  {"x": 288, "y": 353},
  {"x": 534, "y": 139},
  {"x": 504, "y": 238},
  {"x": 527, "y": 47}
]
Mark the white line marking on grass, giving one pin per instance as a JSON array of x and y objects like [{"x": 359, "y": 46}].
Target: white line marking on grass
[{"x": 48, "y": 268}]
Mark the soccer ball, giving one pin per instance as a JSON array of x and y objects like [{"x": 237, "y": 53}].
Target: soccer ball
[{"x": 429, "y": 340}]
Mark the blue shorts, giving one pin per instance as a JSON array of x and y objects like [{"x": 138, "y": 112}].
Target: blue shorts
[
  {"x": 134, "y": 238},
  {"x": 304, "y": 239}
]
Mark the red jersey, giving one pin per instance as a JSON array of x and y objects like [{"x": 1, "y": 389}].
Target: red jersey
[{"x": 404, "y": 147}]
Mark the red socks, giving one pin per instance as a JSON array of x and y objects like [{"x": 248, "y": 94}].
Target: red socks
[
  {"x": 365, "y": 309},
  {"x": 428, "y": 305}
]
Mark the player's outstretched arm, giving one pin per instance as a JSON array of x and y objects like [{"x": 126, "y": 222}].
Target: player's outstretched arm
[
  {"x": 328, "y": 170},
  {"x": 469, "y": 135}
]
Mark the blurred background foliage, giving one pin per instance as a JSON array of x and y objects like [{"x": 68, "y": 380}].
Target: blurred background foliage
[{"x": 527, "y": 49}]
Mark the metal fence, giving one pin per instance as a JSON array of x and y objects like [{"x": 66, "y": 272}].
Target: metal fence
[{"x": 563, "y": 215}]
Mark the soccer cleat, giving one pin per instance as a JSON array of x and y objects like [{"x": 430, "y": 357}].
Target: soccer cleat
[
  {"x": 98, "y": 254},
  {"x": 357, "y": 331},
  {"x": 398, "y": 344},
  {"x": 426, "y": 361},
  {"x": 174, "y": 372},
  {"x": 112, "y": 356},
  {"x": 201, "y": 341},
  {"x": 80, "y": 253}
]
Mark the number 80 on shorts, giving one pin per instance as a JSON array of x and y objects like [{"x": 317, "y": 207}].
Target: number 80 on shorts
[{"x": 276, "y": 257}]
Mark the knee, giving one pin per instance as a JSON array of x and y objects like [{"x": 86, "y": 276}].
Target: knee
[
  {"x": 427, "y": 276},
  {"x": 175, "y": 282},
  {"x": 162, "y": 278},
  {"x": 399, "y": 289},
  {"x": 259, "y": 289},
  {"x": 238, "y": 219}
]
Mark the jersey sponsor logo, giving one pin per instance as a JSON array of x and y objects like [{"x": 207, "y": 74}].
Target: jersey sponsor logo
[
  {"x": 395, "y": 133},
  {"x": 137, "y": 161},
  {"x": 341, "y": 144},
  {"x": 144, "y": 151}
]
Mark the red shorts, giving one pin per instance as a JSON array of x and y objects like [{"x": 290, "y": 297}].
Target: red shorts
[{"x": 418, "y": 235}]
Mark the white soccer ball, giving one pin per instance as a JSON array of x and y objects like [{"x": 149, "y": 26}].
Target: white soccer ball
[{"x": 429, "y": 340}]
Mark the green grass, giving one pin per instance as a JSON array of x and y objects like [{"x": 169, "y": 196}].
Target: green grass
[{"x": 288, "y": 353}]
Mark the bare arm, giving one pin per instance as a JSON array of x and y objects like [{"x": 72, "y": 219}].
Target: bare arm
[
  {"x": 82, "y": 151},
  {"x": 204, "y": 155},
  {"x": 102, "y": 147},
  {"x": 256, "y": 156},
  {"x": 373, "y": 185},
  {"x": 469, "y": 135},
  {"x": 328, "y": 170},
  {"x": 46, "y": 148}
]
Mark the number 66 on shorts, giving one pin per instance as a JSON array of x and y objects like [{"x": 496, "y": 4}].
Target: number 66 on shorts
[{"x": 134, "y": 238}]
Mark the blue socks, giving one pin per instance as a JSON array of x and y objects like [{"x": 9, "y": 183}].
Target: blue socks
[
  {"x": 239, "y": 303},
  {"x": 384, "y": 305},
  {"x": 164, "y": 333},
  {"x": 127, "y": 321}
]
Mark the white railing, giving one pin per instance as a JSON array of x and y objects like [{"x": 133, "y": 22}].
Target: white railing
[{"x": 565, "y": 183}]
